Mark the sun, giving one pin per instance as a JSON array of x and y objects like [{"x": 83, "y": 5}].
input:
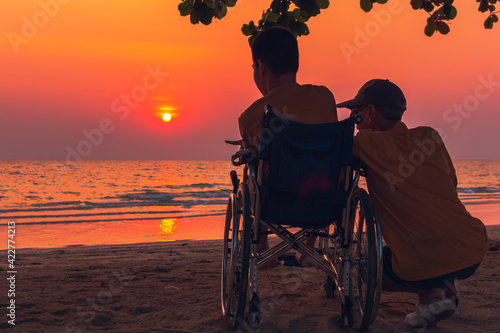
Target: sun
[
  {"x": 166, "y": 112},
  {"x": 166, "y": 117}
]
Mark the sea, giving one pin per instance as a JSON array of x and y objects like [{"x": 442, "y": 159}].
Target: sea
[{"x": 47, "y": 204}]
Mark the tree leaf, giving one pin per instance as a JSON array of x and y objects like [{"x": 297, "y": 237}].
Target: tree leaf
[
  {"x": 221, "y": 13},
  {"x": 276, "y": 6},
  {"x": 428, "y": 6},
  {"x": 440, "y": 12},
  {"x": 446, "y": 9},
  {"x": 305, "y": 14},
  {"x": 251, "y": 39},
  {"x": 366, "y": 5},
  {"x": 284, "y": 20},
  {"x": 206, "y": 19},
  {"x": 483, "y": 6},
  {"x": 210, "y": 4},
  {"x": 323, "y": 4},
  {"x": 299, "y": 28},
  {"x": 186, "y": 8},
  {"x": 429, "y": 29},
  {"x": 488, "y": 23},
  {"x": 315, "y": 9},
  {"x": 205, "y": 14},
  {"x": 272, "y": 16},
  {"x": 453, "y": 13},
  {"x": 194, "y": 18},
  {"x": 230, "y": 3},
  {"x": 304, "y": 29},
  {"x": 442, "y": 27},
  {"x": 245, "y": 29},
  {"x": 416, "y": 4}
]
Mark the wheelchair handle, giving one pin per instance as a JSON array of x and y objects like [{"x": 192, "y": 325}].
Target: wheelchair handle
[
  {"x": 357, "y": 117},
  {"x": 359, "y": 165},
  {"x": 235, "y": 142},
  {"x": 242, "y": 157}
]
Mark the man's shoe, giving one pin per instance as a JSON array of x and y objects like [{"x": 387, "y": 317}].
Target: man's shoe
[{"x": 429, "y": 315}]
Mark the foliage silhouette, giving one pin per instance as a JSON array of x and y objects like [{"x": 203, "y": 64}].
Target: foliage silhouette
[{"x": 294, "y": 14}]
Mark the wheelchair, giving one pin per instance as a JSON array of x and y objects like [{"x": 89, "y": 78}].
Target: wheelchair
[{"x": 303, "y": 184}]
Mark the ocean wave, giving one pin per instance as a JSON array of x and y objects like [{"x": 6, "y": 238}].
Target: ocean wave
[
  {"x": 16, "y": 217},
  {"x": 88, "y": 205},
  {"x": 481, "y": 202},
  {"x": 70, "y": 192},
  {"x": 479, "y": 189},
  {"x": 183, "y": 215},
  {"x": 153, "y": 195},
  {"x": 32, "y": 197},
  {"x": 197, "y": 185},
  {"x": 208, "y": 194},
  {"x": 147, "y": 195},
  {"x": 54, "y": 204}
]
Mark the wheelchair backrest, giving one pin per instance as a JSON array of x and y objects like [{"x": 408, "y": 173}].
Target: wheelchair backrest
[{"x": 304, "y": 162}]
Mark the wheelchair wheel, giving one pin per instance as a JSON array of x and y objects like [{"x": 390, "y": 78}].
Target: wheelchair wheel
[
  {"x": 330, "y": 247},
  {"x": 226, "y": 288},
  {"x": 364, "y": 260},
  {"x": 378, "y": 286},
  {"x": 236, "y": 256}
]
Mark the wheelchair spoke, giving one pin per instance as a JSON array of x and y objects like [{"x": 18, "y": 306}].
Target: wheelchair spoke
[
  {"x": 363, "y": 260},
  {"x": 349, "y": 258},
  {"x": 236, "y": 257}
]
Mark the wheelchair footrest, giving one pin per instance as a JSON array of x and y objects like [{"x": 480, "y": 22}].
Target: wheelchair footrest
[
  {"x": 254, "y": 303},
  {"x": 254, "y": 317}
]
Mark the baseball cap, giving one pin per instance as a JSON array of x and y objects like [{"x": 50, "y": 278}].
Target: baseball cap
[{"x": 378, "y": 92}]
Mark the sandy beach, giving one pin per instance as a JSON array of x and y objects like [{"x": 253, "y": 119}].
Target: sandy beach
[{"x": 174, "y": 287}]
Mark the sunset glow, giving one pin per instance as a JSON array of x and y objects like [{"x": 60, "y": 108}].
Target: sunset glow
[
  {"x": 166, "y": 108},
  {"x": 117, "y": 67}
]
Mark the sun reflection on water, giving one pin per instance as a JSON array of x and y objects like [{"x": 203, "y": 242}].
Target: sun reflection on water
[{"x": 167, "y": 227}]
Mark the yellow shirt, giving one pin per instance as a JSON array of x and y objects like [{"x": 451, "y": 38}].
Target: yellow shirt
[
  {"x": 308, "y": 104},
  {"x": 412, "y": 182}
]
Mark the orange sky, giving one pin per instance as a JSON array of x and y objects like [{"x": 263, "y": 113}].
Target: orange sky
[{"x": 89, "y": 77}]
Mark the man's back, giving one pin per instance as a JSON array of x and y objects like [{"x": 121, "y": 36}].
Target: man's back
[
  {"x": 275, "y": 62},
  {"x": 413, "y": 185},
  {"x": 307, "y": 104}
]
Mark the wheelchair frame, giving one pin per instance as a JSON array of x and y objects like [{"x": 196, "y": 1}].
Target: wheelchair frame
[{"x": 351, "y": 250}]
